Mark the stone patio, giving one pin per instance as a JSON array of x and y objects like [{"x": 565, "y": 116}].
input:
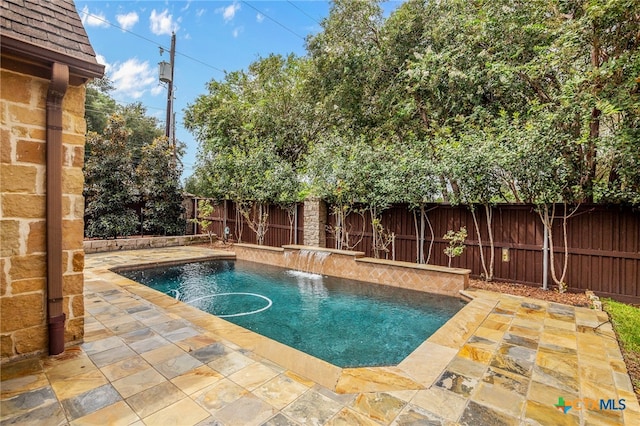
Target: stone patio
[{"x": 149, "y": 359}]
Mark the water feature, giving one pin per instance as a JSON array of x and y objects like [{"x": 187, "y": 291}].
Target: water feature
[{"x": 305, "y": 260}]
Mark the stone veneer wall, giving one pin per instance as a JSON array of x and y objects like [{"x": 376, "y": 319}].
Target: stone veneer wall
[
  {"x": 315, "y": 222},
  {"x": 353, "y": 265},
  {"x": 99, "y": 246},
  {"x": 23, "y": 257},
  {"x": 260, "y": 254}
]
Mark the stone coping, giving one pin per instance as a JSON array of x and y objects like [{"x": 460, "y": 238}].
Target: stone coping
[
  {"x": 256, "y": 246},
  {"x": 360, "y": 257},
  {"x": 357, "y": 254},
  {"x": 417, "y": 371},
  {"x": 400, "y": 264}
]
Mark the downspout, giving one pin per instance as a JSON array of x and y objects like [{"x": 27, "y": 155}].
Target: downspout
[{"x": 55, "y": 314}]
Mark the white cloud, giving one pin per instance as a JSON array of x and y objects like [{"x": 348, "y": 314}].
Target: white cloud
[
  {"x": 259, "y": 17},
  {"x": 93, "y": 19},
  {"x": 186, "y": 6},
  {"x": 157, "y": 89},
  {"x": 162, "y": 23},
  {"x": 229, "y": 12},
  {"x": 128, "y": 21},
  {"x": 237, "y": 31},
  {"x": 132, "y": 78},
  {"x": 200, "y": 12}
]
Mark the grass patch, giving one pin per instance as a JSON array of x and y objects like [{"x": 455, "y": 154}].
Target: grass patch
[
  {"x": 626, "y": 320},
  {"x": 626, "y": 323}
]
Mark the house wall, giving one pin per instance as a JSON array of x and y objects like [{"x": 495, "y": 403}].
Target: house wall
[{"x": 23, "y": 257}]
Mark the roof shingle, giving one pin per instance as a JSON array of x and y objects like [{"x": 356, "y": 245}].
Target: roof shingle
[{"x": 54, "y": 25}]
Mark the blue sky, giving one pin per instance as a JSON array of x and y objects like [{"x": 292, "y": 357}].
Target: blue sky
[{"x": 211, "y": 37}]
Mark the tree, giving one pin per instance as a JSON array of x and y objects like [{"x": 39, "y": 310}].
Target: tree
[
  {"x": 205, "y": 211},
  {"x": 456, "y": 243},
  {"x": 263, "y": 104},
  {"x": 541, "y": 174},
  {"x": 379, "y": 184},
  {"x": 110, "y": 187},
  {"x": 473, "y": 162},
  {"x": 143, "y": 130},
  {"x": 128, "y": 139},
  {"x": 264, "y": 178},
  {"x": 344, "y": 58},
  {"x": 421, "y": 186},
  {"x": 99, "y": 105},
  {"x": 159, "y": 179},
  {"x": 332, "y": 174},
  {"x": 597, "y": 54}
]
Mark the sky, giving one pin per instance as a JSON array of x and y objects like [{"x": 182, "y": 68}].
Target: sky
[{"x": 212, "y": 36}]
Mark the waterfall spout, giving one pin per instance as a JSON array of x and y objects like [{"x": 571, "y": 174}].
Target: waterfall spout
[{"x": 309, "y": 261}]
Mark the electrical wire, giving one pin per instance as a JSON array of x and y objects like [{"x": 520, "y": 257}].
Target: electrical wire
[
  {"x": 304, "y": 13},
  {"x": 86, "y": 14},
  {"x": 184, "y": 55},
  {"x": 273, "y": 20}
]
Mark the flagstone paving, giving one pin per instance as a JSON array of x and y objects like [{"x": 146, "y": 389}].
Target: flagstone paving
[{"x": 148, "y": 359}]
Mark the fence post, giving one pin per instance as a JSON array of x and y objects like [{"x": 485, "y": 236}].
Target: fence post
[{"x": 315, "y": 222}]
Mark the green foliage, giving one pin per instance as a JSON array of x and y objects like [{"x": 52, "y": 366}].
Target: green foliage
[
  {"x": 143, "y": 130},
  {"x": 110, "y": 187},
  {"x": 128, "y": 161},
  {"x": 98, "y": 104},
  {"x": 456, "y": 243},
  {"x": 467, "y": 102},
  {"x": 158, "y": 175},
  {"x": 205, "y": 211},
  {"x": 259, "y": 106}
]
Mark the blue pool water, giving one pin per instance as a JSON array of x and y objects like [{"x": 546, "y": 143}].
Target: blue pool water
[{"x": 347, "y": 323}]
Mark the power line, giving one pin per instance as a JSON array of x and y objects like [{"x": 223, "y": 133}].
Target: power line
[
  {"x": 151, "y": 41},
  {"x": 278, "y": 23},
  {"x": 304, "y": 13}
]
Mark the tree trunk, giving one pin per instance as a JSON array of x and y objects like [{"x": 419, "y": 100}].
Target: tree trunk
[
  {"x": 418, "y": 240},
  {"x": 482, "y": 260},
  {"x": 492, "y": 257}
]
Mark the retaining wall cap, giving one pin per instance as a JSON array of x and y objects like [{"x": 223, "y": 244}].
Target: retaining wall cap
[
  {"x": 258, "y": 247},
  {"x": 324, "y": 249},
  {"x": 435, "y": 268}
]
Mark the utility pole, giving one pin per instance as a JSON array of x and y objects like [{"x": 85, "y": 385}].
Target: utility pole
[
  {"x": 165, "y": 72},
  {"x": 172, "y": 54}
]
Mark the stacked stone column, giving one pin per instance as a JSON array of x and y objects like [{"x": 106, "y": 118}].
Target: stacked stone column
[{"x": 315, "y": 222}]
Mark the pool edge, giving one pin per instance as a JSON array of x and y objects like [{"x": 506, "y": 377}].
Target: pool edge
[{"x": 417, "y": 371}]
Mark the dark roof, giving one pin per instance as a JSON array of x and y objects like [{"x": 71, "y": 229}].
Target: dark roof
[{"x": 53, "y": 26}]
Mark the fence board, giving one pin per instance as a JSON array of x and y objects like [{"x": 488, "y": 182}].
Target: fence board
[
  {"x": 225, "y": 214},
  {"x": 603, "y": 244}
]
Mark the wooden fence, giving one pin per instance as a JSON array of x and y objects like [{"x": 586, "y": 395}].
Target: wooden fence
[
  {"x": 603, "y": 242},
  {"x": 225, "y": 214}
]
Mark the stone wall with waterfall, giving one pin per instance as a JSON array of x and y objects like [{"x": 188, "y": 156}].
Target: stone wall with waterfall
[{"x": 354, "y": 265}]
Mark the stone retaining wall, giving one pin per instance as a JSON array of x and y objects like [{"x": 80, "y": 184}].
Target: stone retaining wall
[
  {"x": 353, "y": 265},
  {"x": 99, "y": 246}
]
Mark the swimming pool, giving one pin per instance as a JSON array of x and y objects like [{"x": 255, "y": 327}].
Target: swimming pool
[{"x": 344, "y": 322}]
